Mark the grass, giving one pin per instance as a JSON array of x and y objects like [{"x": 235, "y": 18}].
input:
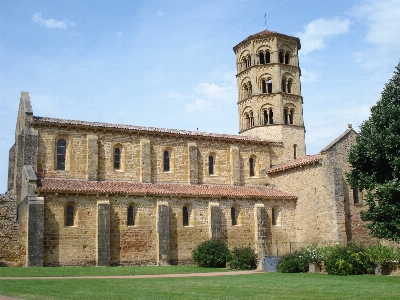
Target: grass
[
  {"x": 259, "y": 285},
  {"x": 103, "y": 271}
]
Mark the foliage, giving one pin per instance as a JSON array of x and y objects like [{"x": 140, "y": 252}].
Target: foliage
[
  {"x": 314, "y": 254},
  {"x": 350, "y": 260},
  {"x": 243, "y": 259},
  {"x": 380, "y": 255},
  {"x": 375, "y": 161},
  {"x": 211, "y": 254},
  {"x": 296, "y": 262}
]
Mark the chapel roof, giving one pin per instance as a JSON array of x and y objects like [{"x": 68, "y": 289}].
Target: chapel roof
[
  {"x": 161, "y": 189},
  {"x": 307, "y": 160},
  {"x": 231, "y": 137}
]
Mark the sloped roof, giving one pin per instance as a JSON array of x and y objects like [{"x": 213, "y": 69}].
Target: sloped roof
[
  {"x": 309, "y": 159},
  {"x": 160, "y": 189},
  {"x": 348, "y": 130},
  {"x": 45, "y": 120}
]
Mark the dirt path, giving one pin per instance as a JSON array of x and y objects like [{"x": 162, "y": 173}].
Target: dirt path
[{"x": 138, "y": 276}]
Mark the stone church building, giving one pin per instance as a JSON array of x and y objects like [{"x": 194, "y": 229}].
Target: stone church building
[{"x": 89, "y": 193}]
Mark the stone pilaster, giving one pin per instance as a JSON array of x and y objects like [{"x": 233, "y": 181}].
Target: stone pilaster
[
  {"x": 92, "y": 156},
  {"x": 35, "y": 231},
  {"x": 163, "y": 248},
  {"x": 193, "y": 164},
  {"x": 145, "y": 161},
  {"x": 11, "y": 169},
  {"x": 214, "y": 221},
  {"x": 260, "y": 229},
  {"x": 103, "y": 233},
  {"x": 235, "y": 165}
]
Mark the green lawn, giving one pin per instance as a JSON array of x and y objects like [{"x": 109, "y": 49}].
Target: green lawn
[{"x": 254, "y": 286}]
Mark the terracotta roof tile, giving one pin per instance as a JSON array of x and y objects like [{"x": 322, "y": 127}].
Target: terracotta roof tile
[
  {"x": 40, "y": 120},
  {"x": 165, "y": 189},
  {"x": 309, "y": 159}
]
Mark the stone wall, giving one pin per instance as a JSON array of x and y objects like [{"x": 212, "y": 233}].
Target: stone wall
[
  {"x": 12, "y": 251},
  {"x": 145, "y": 242}
]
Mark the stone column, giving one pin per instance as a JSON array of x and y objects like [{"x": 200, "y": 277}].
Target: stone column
[
  {"x": 163, "y": 249},
  {"x": 103, "y": 233},
  {"x": 145, "y": 161},
  {"x": 235, "y": 165},
  {"x": 214, "y": 220},
  {"x": 92, "y": 156},
  {"x": 35, "y": 231},
  {"x": 193, "y": 164}
]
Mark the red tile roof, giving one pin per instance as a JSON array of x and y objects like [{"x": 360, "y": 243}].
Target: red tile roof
[
  {"x": 45, "y": 120},
  {"x": 160, "y": 189},
  {"x": 309, "y": 159}
]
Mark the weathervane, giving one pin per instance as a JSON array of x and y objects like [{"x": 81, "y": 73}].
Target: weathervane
[{"x": 265, "y": 20}]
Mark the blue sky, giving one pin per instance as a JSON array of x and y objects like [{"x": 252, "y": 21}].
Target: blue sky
[{"x": 170, "y": 63}]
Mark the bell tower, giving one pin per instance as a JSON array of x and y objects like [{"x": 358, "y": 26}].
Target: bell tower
[{"x": 270, "y": 104}]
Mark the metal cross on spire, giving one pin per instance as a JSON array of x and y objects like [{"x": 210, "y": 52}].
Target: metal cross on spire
[{"x": 265, "y": 20}]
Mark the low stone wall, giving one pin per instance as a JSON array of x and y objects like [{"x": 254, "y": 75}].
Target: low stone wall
[{"x": 11, "y": 254}]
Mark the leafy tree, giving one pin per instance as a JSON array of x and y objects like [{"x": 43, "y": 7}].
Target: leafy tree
[{"x": 375, "y": 161}]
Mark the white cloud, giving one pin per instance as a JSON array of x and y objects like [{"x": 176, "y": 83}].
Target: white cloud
[
  {"x": 160, "y": 13},
  {"x": 383, "y": 21},
  {"x": 198, "y": 105},
  {"x": 51, "y": 23},
  {"x": 316, "y": 32},
  {"x": 213, "y": 90}
]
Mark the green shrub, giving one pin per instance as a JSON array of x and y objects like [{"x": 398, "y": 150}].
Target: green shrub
[
  {"x": 296, "y": 262},
  {"x": 243, "y": 259},
  {"x": 350, "y": 260},
  {"x": 380, "y": 255},
  {"x": 212, "y": 254}
]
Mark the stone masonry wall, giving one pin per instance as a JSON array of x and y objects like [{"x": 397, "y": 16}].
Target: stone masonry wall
[
  {"x": 12, "y": 252},
  {"x": 137, "y": 244}
]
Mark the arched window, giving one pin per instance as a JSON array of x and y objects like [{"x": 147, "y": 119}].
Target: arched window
[
  {"x": 287, "y": 58},
  {"x": 267, "y": 57},
  {"x": 291, "y": 113},
  {"x": 285, "y": 116},
  {"x": 61, "y": 153},
  {"x": 233, "y": 216},
  {"x": 289, "y": 86},
  {"x": 211, "y": 162},
  {"x": 131, "y": 215},
  {"x": 265, "y": 117},
  {"x": 69, "y": 220},
  {"x": 281, "y": 57},
  {"x": 269, "y": 85},
  {"x": 264, "y": 86},
  {"x": 273, "y": 216},
  {"x": 117, "y": 158},
  {"x": 288, "y": 115},
  {"x": 166, "y": 161},
  {"x": 251, "y": 165},
  {"x": 283, "y": 85},
  {"x": 262, "y": 58},
  {"x": 268, "y": 116},
  {"x": 185, "y": 216}
]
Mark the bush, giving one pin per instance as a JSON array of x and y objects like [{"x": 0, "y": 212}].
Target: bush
[
  {"x": 380, "y": 255},
  {"x": 211, "y": 254},
  {"x": 296, "y": 262},
  {"x": 350, "y": 260},
  {"x": 243, "y": 259}
]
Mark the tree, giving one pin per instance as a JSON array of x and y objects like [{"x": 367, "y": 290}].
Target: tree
[{"x": 375, "y": 162}]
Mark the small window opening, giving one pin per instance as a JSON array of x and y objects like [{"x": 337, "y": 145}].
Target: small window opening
[
  {"x": 286, "y": 116},
  {"x": 61, "y": 151},
  {"x": 356, "y": 196},
  {"x": 70, "y": 215},
  {"x": 294, "y": 151},
  {"x": 269, "y": 84},
  {"x": 283, "y": 85},
  {"x": 291, "y": 113},
  {"x": 166, "y": 161},
  {"x": 262, "y": 60},
  {"x": 281, "y": 57},
  {"x": 131, "y": 216},
  {"x": 264, "y": 86},
  {"x": 117, "y": 158},
  {"x": 289, "y": 86},
  {"x": 185, "y": 215},
  {"x": 211, "y": 162},
  {"x": 287, "y": 57},
  {"x": 265, "y": 117},
  {"x": 233, "y": 216},
  {"x": 273, "y": 216},
  {"x": 267, "y": 57},
  {"x": 251, "y": 163},
  {"x": 271, "y": 116}
]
